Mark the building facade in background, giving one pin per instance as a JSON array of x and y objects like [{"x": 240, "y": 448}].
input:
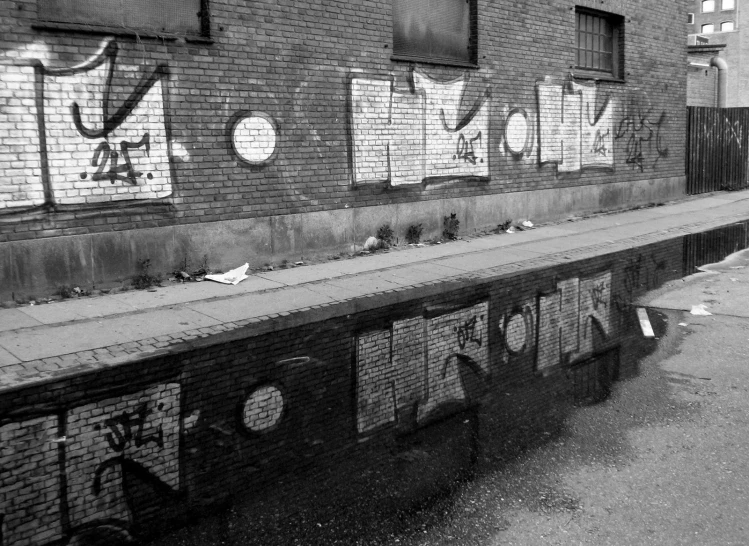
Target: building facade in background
[
  {"x": 220, "y": 132},
  {"x": 718, "y": 28}
]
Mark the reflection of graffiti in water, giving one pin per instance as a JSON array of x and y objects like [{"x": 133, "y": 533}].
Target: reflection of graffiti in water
[
  {"x": 421, "y": 368},
  {"x": 115, "y": 462}
]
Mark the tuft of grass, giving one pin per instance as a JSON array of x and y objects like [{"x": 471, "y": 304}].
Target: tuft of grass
[
  {"x": 413, "y": 234},
  {"x": 385, "y": 233},
  {"x": 145, "y": 279},
  {"x": 450, "y": 227}
]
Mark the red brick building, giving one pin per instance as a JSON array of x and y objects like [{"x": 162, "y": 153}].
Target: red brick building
[{"x": 232, "y": 132}]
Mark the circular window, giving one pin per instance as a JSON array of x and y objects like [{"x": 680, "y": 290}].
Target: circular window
[
  {"x": 254, "y": 138},
  {"x": 263, "y": 409}
]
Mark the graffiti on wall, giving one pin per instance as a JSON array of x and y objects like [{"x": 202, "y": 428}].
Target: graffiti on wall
[
  {"x": 95, "y": 151},
  {"x": 117, "y": 458},
  {"x": 641, "y": 131},
  {"x": 559, "y": 327},
  {"x": 575, "y": 132},
  {"x": 419, "y": 135},
  {"x": 421, "y": 366}
]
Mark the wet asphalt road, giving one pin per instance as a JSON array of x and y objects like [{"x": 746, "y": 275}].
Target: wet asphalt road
[{"x": 664, "y": 460}]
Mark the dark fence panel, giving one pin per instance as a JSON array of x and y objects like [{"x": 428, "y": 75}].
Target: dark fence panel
[{"x": 717, "y": 149}]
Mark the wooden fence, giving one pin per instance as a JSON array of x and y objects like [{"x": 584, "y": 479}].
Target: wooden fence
[{"x": 717, "y": 149}]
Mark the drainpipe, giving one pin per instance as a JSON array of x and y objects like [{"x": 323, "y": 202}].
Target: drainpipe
[{"x": 722, "y": 67}]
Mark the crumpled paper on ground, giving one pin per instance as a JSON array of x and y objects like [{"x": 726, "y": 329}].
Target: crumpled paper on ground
[
  {"x": 235, "y": 276},
  {"x": 700, "y": 310}
]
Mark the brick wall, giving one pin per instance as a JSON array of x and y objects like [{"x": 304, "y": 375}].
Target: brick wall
[
  {"x": 297, "y": 108},
  {"x": 419, "y": 388}
]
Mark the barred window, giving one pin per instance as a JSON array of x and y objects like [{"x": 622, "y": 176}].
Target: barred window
[
  {"x": 435, "y": 31},
  {"x": 149, "y": 17},
  {"x": 598, "y": 48}
]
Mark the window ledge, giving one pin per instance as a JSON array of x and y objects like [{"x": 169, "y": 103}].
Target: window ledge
[
  {"x": 595, "y": 76},
  {"x": 440, "y": 62},
  {"x": 116, "y": 31}
]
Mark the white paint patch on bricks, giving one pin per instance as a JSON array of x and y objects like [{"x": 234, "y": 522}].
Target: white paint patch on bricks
[
  {"x": 409, "y": 137},
  {"x": 574, "y": 133}
]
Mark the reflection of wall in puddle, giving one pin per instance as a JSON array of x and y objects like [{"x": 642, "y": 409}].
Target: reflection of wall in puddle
[
  {"x": 419, "y": 365},
  {"x": 558, "y": 327},
  {"x": 93, "y": 447}
]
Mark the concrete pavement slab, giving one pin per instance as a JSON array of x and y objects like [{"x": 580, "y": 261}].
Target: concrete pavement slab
[
  {"x": 419, "y": 273},
  {"x": 691, "y": 205},
  {"x": 12, "y": 319},
  {"x": 54, "y": 340},
  {"x": 77, "y": 309},
  {"x": 332, "y": 291},
  {"x": 160, "y": 322},
  {"x": 260, "y": 304},
  {"x": 7, "y": 359},
  {"x": 298, "y": 275},
  {"x": 193, "y": 291},
  {"x": 365, "y": 284},
  {"x": 488, "y": 260}
]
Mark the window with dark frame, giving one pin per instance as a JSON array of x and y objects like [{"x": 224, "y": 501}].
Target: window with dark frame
[
  {"x": 147, "y": 17},
  {"x": 435, "y": 31},
  {"x": 597, "y": 42}
]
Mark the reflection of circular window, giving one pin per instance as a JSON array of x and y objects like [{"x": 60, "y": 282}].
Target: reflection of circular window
[
  {"x": 263, "y": 409},
  {"x": 516, "y": 132},
  {"x": 254, "y": 138},
  {"x": 516, "y": 333}
]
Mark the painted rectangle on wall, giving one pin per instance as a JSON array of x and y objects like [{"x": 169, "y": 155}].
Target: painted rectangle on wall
[{"x": 29, "y": 482}]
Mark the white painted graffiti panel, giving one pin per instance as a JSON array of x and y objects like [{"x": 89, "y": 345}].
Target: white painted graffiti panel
[
  {"x": 97, "y": 152},
  {"x": 141, "y": 429},
  {"x": 21, "y": 184},
  {"x": 30, "y": 482},
  {"x": 574, "y": 131},
  {"x": 370, "y": 118},
  {"x": 452, "y": 150},
  {"x": 408, "y": 136}
]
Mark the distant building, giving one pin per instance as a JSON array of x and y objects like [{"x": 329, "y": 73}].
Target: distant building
[{"x": 718, "y": 28}]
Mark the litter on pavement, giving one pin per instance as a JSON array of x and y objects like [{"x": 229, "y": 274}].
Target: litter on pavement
[
  {"x": 235, "y": 276},
  {"x": 700, "y": 310}
]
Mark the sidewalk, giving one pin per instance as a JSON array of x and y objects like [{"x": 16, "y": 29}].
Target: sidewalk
[{"x": 47, "y": 341}]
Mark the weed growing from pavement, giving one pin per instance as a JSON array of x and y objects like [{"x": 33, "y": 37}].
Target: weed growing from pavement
[
  {"x": 413, "y": 234},
  {"x": 385, "y": 233},
  {"x": 450, "y": 227},
  {"x": 145, "y": 279}
]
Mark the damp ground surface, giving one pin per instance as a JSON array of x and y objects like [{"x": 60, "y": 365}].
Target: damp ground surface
[{"x": 661, "y": 461}]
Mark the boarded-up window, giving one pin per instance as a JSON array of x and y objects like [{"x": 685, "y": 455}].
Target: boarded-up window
[
  {"x": 597, "y": 42},
  {"x": 439, "y": 31},
  {"x": 163, "y": 17}
]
